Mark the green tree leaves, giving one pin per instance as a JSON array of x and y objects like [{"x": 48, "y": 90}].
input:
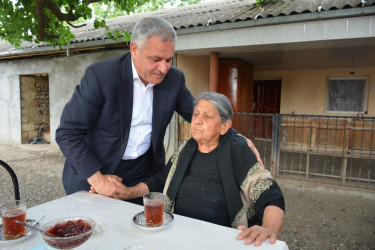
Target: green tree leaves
[{"x": 49, "y": 20}]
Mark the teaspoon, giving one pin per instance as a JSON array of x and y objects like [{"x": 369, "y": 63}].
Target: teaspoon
[{"x": 35, "y": 228}]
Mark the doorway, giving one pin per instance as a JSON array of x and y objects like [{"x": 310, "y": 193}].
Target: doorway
[
  {"x": 35, "y": 109},
  {"x": 266, "y": 99}
]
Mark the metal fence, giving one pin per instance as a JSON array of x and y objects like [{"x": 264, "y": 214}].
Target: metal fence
[{"x": 334, "y": 149}]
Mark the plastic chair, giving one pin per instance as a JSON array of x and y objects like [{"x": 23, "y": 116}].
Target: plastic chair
[{"x": 14, "y": 179}]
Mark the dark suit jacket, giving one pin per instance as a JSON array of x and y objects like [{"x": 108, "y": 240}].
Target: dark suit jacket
[{"x": 95, "y": 123}]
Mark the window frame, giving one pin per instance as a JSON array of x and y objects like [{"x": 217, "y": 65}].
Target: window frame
[{"x": 365, "y": 100}]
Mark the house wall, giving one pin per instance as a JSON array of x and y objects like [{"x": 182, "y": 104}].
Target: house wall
[
  {"x": 64, "y": 74},
  {"x": 304, "y": 91},
  {"x": 197, "y": 71}
]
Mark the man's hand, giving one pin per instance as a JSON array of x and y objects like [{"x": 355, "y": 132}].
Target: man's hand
[
  {"x": 255, "y": 151},
  {"x": 107, "y": 185}
]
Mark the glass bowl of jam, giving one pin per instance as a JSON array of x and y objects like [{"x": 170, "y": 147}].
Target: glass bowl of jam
[{"x": 68, "y": 232}]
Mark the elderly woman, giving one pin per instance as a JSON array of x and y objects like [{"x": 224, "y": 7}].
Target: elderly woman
[{"x": 215, "y": 177}]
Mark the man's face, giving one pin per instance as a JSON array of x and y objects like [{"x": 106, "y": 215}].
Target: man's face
[{"x": 153, "y": 61}]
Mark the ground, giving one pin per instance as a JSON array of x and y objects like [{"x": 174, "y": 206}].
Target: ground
[{"x": 318, "y": 216}]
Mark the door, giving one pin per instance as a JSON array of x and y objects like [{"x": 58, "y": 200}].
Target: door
[
  {"x": 266, "y": 96},
  {"x": 266, "y": 99}
]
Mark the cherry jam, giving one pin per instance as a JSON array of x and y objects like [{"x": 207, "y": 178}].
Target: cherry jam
[{"x": 69, "y": 228}]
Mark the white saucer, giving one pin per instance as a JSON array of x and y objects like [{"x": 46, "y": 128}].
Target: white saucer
[
  {"x": 139, "y": 221},
  {"x": 28, "y": 233}
]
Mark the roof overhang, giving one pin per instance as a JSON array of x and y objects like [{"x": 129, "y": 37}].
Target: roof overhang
[
  {"x": 205, "y": 31},
  {"x": 66, "y": 50}
]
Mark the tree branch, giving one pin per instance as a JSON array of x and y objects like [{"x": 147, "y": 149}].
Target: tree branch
[
  {"x": 93, "y": 1},
  {"x": 75, "y": 26},
  {"x": 41, "y": 15}
]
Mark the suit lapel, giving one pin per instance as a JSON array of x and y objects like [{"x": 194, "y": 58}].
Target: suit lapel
[{"x": 125, "y": 95}]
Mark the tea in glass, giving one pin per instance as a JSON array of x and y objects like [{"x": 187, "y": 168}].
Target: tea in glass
[
  {"x": 10, "y": 213},
  {"x": 154, "y": 209}
]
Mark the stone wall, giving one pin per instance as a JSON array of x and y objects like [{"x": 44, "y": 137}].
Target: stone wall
[{"x": 34, "y": 106}]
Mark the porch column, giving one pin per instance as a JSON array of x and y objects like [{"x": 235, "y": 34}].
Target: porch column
[{"x": 214, "y": 71}]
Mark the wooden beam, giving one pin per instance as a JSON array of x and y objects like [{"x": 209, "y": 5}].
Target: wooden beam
[{"x": 214, "y": 71}]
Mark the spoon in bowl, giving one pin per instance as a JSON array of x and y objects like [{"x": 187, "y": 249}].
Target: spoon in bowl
[{"x": 35, "y": 228}]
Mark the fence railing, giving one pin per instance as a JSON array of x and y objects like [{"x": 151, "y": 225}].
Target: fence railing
[{"x": 335, "y": 149}]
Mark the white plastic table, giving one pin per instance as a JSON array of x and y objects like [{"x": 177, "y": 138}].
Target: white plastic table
[{"x": 120, "y": 232}]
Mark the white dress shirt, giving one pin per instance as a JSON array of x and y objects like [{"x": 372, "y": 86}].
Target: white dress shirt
[{"x": 141, "y": 125}]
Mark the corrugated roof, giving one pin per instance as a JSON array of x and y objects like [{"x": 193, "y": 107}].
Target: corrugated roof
[
  {"x": 229, "y": 11},
  {"x": 213, "y": 13}
]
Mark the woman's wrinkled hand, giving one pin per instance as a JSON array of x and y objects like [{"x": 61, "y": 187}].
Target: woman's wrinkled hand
[{"x": 256, "y": 234}]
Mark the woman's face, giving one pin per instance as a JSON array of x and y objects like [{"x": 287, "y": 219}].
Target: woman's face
[{"x": 206, "y": 125}]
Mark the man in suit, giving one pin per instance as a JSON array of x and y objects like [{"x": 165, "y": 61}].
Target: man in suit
[{"x": 111, "y": 131}]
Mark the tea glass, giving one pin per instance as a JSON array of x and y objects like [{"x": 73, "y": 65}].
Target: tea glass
[
  {"x": 153, "y": 203},
  {"x": 11, "y": 212}
]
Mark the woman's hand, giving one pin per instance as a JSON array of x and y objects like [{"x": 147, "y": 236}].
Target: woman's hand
[
  {"x": 256, "y": 234},
  {"x": 272, "y": 223},
  {"x": 127, "y": 193}
]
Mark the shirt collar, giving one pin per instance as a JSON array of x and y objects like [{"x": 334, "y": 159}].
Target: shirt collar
[
  {"x": 136, "y": 76},
  {"x": 135, "y": 73}
]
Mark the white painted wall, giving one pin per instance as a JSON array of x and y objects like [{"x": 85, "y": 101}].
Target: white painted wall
[
  {"x": 287, "y": 34},
  {"x": 64, "y": 74}
]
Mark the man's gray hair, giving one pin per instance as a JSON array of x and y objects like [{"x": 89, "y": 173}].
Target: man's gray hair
[
  {"x": 221, "y": 103},
  {"x": 153, "y": 26}
]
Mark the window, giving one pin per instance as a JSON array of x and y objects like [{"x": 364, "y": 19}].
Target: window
[{"x": 347, "y": 95}]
